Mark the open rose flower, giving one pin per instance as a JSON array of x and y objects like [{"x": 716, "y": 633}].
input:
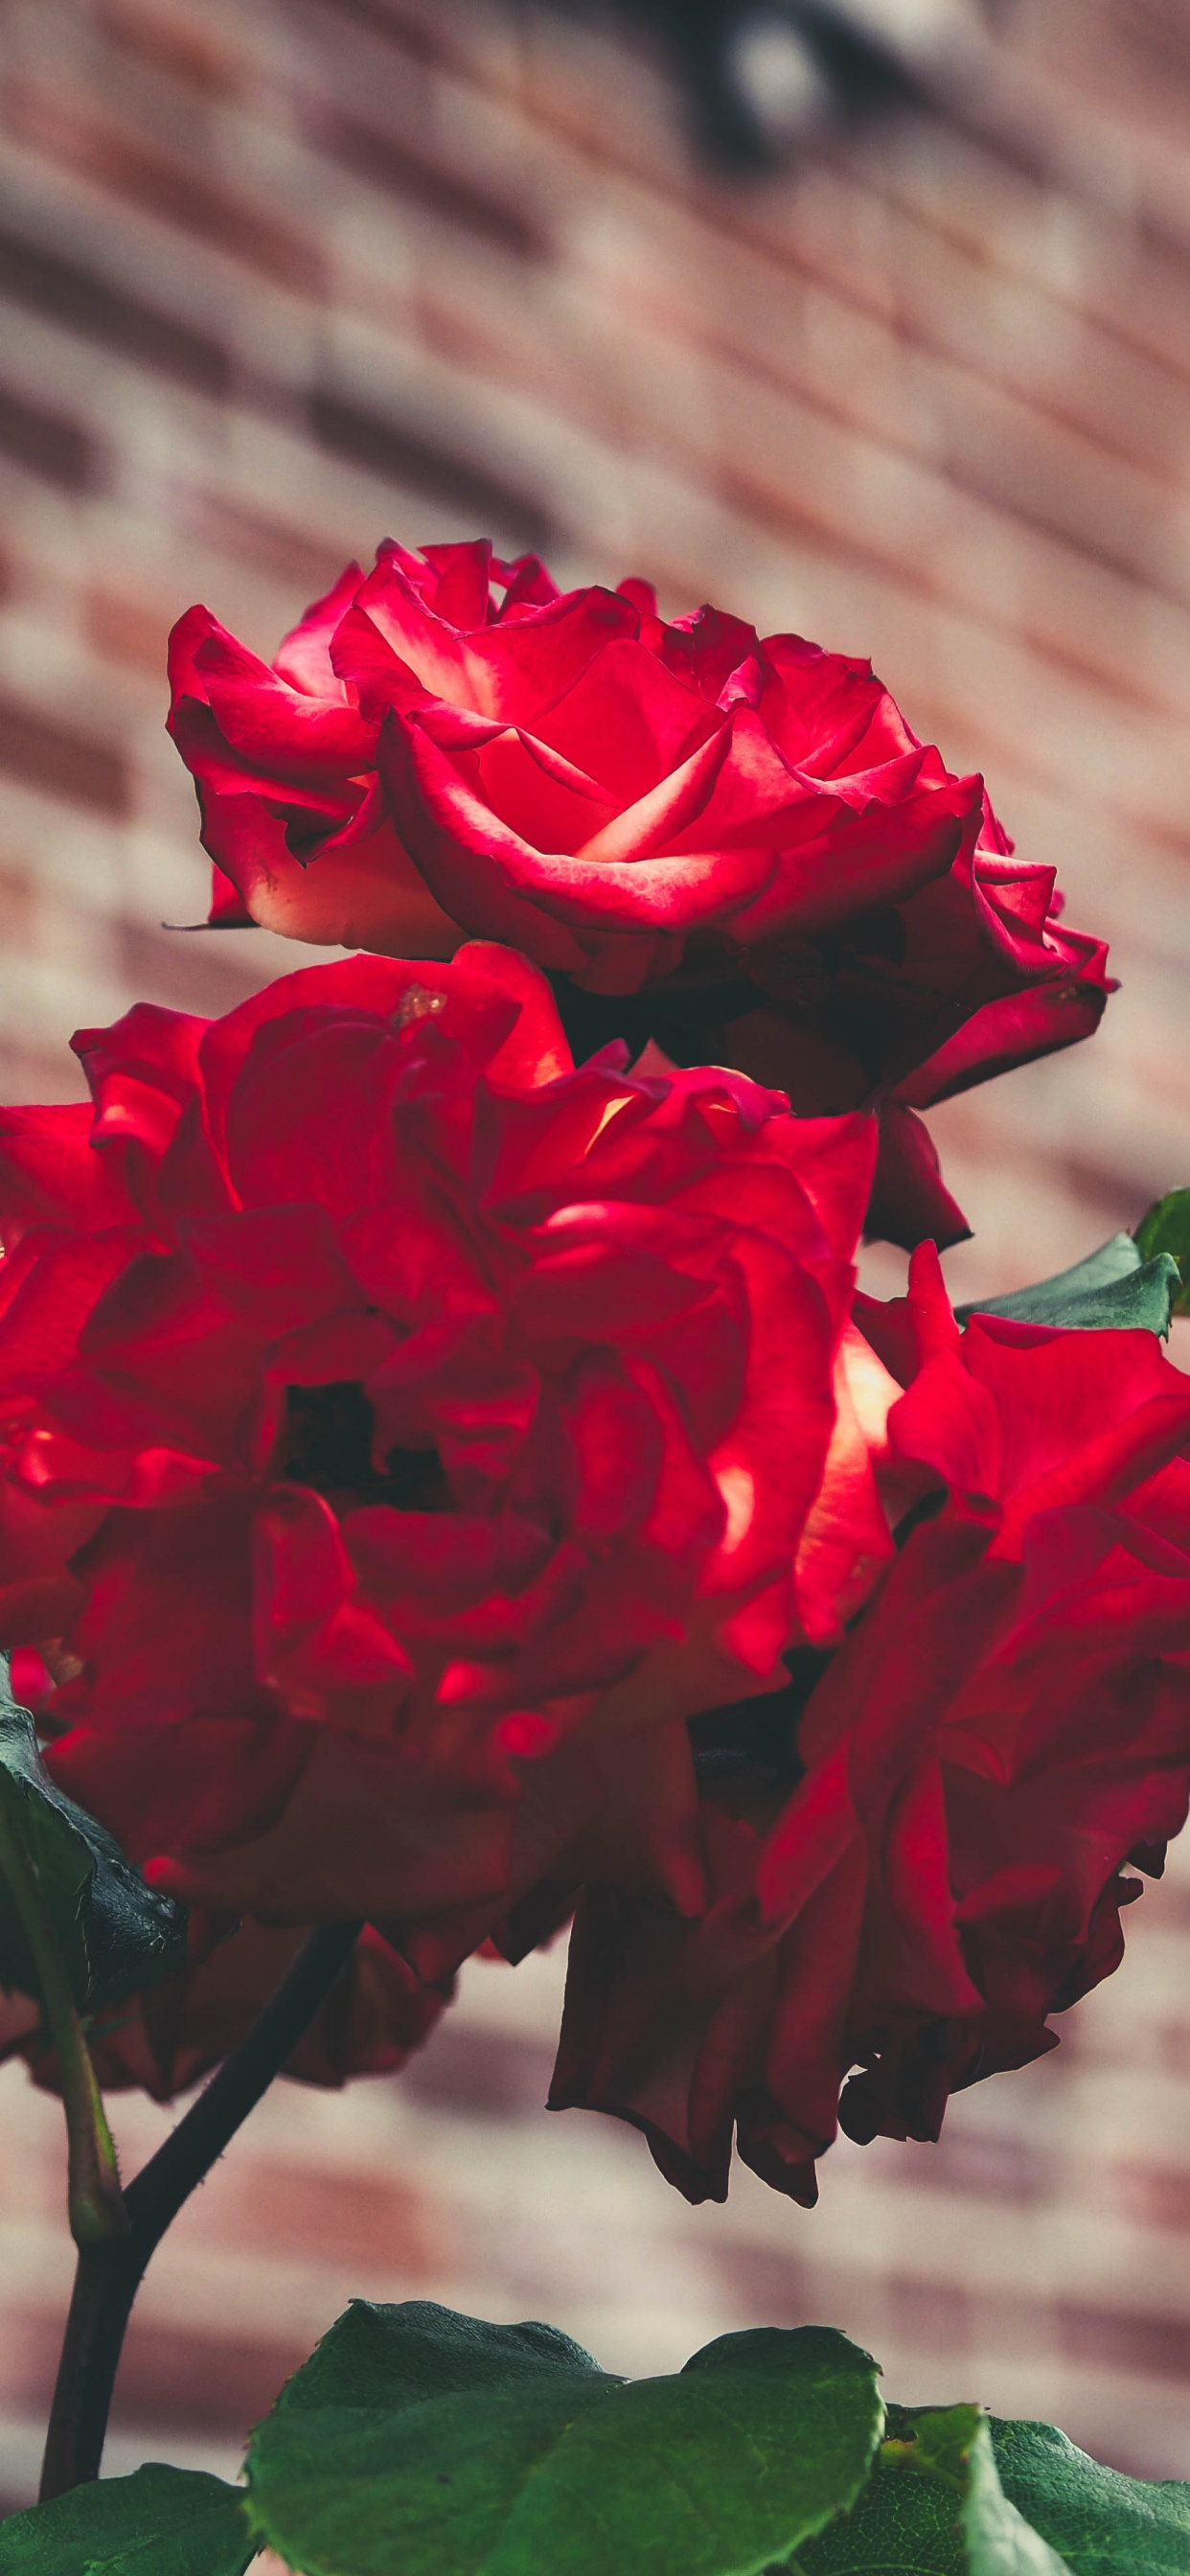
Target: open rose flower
[
  {"x": 405, "y": 1434},
  {"x": 929, "y": 1858},
  {"x": 734, "y": 845},
  {"x": 377, "y": 2012}
]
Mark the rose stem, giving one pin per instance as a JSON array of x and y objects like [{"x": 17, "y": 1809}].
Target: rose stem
[
  {"x": 109, "y": 2274},
  {"x": 98, "y": 2217}
]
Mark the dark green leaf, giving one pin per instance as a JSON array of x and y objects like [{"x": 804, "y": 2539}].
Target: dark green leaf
[
  {"x": 161, "y": 2522},
  {"x": 1118, "y": 1286},
  {"x": 933, "y": 2506},
  {"x": 1103, "y": 2524},
  {"x": 1000, "y": 2542},
  {"x": 1166, "y": 1228},
  {"x": 379, "y": 2354},
  {"x": 900, "y": 2525},
  {"x": 116, "y": 1934},
  {"x": 422, "y": 2440}
]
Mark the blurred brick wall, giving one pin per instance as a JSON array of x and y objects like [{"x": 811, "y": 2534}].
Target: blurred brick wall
[{"x": 276, "y": 281}]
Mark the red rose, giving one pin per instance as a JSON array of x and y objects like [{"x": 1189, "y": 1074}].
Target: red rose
[
  {"x": 736, "y": 846},
  {"x": 404, "y": 1433},
  {"x": 1005, "y": 1729},
  {"x": 375, "y": 2015}
]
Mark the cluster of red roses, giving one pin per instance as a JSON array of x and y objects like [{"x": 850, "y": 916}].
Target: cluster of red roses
[{"x": 460, "y": 1487}]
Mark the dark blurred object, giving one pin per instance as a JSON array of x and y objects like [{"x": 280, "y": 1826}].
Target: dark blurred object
[{"x": 765, "y": 77}]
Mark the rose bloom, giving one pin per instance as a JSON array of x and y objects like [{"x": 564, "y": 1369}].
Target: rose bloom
[
  {"x": 405, "y": 1434},
  {"x": 923, "y": 1854},
  {"x": 733, "y": 845},
  {"x": 377, "y": 2012}
]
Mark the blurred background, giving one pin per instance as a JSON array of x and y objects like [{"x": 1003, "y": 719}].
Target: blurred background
[{"x": 867, "y": 318}]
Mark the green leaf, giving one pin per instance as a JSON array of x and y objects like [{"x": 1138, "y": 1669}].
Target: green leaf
[
  {"x": 382, "y": 2355},
  {"x": 116, "y": 1934},
  {"x": 418, "y": 2439},
  {"x": 1104, "y": 2524},
  {"x": 1000, "y": 2542},
  {"x": 1166, "y": 1228},
  {"x": 161, "y": 2522},
  {"x": 902, "y": 2524},
  {"x": 1119, "y": 1286},
  {"x": 933, "y": 2506}
]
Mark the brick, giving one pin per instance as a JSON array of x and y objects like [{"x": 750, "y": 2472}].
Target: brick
[
  {"x": 328, "y": 2214},
  {"x": 413, "y": 178},
  {"x": 412, "y": 34},
  {"x": 174, "y": 44},
  {"x": 91, "y": 145},
  {"x": 1125, "y": 2340},
  {"x": 403, "y": 455},
  {"x": 46, "y": 753},
  {"x": 18, "y": 904},
  {"x": 82, "y": 301},
  {"x": 1156, "y": 2195},
  {"x": 263, "y": 541},
  {"x": 58, "y": 450},
  {"x": 127, "y": 630},
  {"x": 173, "y": 2377}
]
